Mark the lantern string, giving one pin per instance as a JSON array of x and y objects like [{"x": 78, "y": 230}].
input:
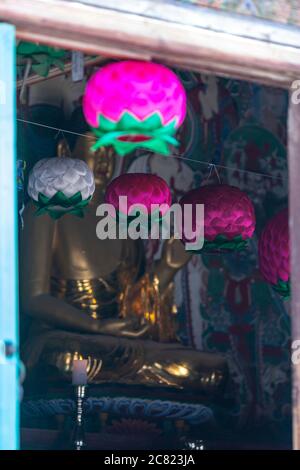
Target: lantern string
[
  {"x": 211, "y": 166},
  {"x": 65, "y": 150},
  {"x": 60, "y": 131}
]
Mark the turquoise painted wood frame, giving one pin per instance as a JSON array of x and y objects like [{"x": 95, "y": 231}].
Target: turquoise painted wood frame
[{"x": 9, "y": 386}]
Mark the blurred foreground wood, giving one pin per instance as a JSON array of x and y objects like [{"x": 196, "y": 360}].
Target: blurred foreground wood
[{"x": 181, "y": 35}]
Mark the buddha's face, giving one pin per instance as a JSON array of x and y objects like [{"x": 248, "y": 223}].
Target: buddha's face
[{"x": 101, "y": 162}]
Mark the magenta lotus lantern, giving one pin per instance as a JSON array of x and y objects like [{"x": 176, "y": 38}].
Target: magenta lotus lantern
[
  {"x": 139, "y": 188},
  {"x": 274, "y": 254},
  {"x": 135, "y": 104},
  {"x": 229, "y": 218}
]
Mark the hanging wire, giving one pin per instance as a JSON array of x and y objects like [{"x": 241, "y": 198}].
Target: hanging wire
[
  {"x": 50, "y": 127},
  {"x": 211, "y": 166}
]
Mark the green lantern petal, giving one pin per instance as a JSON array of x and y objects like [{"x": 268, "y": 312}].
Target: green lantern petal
[
  {"x": 222, "y": 244},
  {"x": 43, "y": 200},
  {"x": 156, "y": 136},
  {"x": 106, "y": 125},
  {"x": 154, "y": 217},
  {"x": 59, "y": 205},
  {"x": 283, "y": 288}
]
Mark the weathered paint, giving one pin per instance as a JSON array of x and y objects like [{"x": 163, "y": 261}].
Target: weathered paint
[{"x": 282, "y": 11}]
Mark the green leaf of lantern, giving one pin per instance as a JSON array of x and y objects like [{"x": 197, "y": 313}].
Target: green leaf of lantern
[
  {"x": 221, "y": 244},
  {"x": 157, "y": 136},
  {"x": 72, "y": 205},
  {"x": 283, "y": 288}
]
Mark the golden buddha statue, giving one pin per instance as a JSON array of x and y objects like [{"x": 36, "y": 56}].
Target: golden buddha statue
[{"x": 89, "y": 298}]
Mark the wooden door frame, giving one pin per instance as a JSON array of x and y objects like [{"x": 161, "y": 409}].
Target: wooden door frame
[{"x": 193, "y": 38}]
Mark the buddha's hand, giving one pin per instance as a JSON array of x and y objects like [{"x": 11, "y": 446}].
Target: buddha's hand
[
  {"x": 174, "y": 254},
  {"x": 130, "y": 327},
  {"x": 173, "y": 258}
]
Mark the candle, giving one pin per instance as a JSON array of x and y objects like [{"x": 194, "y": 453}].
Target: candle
[{"x": 79, "y": 373}]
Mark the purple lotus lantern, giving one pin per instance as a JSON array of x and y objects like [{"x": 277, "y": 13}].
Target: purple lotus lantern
[
  {"x": 274, "y": 253},
  {"x": 135, "y": 104},
  {"x": 229, "y": 218},
  {"x": 140, "y": 188}
]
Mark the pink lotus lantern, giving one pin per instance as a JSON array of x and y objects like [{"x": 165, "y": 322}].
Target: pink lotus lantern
[
  {"x": 133, "y": 104},
  {"x": 229, "y": 218},
  {"x": 274, "y": 255},
  {"x": 140, "y": 188}
]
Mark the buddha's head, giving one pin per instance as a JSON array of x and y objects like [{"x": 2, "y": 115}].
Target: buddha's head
[{"x": 101, "y": 162}]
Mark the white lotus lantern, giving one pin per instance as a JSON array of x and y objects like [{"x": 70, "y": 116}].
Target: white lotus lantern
[{"x": 61, "y": 185}]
